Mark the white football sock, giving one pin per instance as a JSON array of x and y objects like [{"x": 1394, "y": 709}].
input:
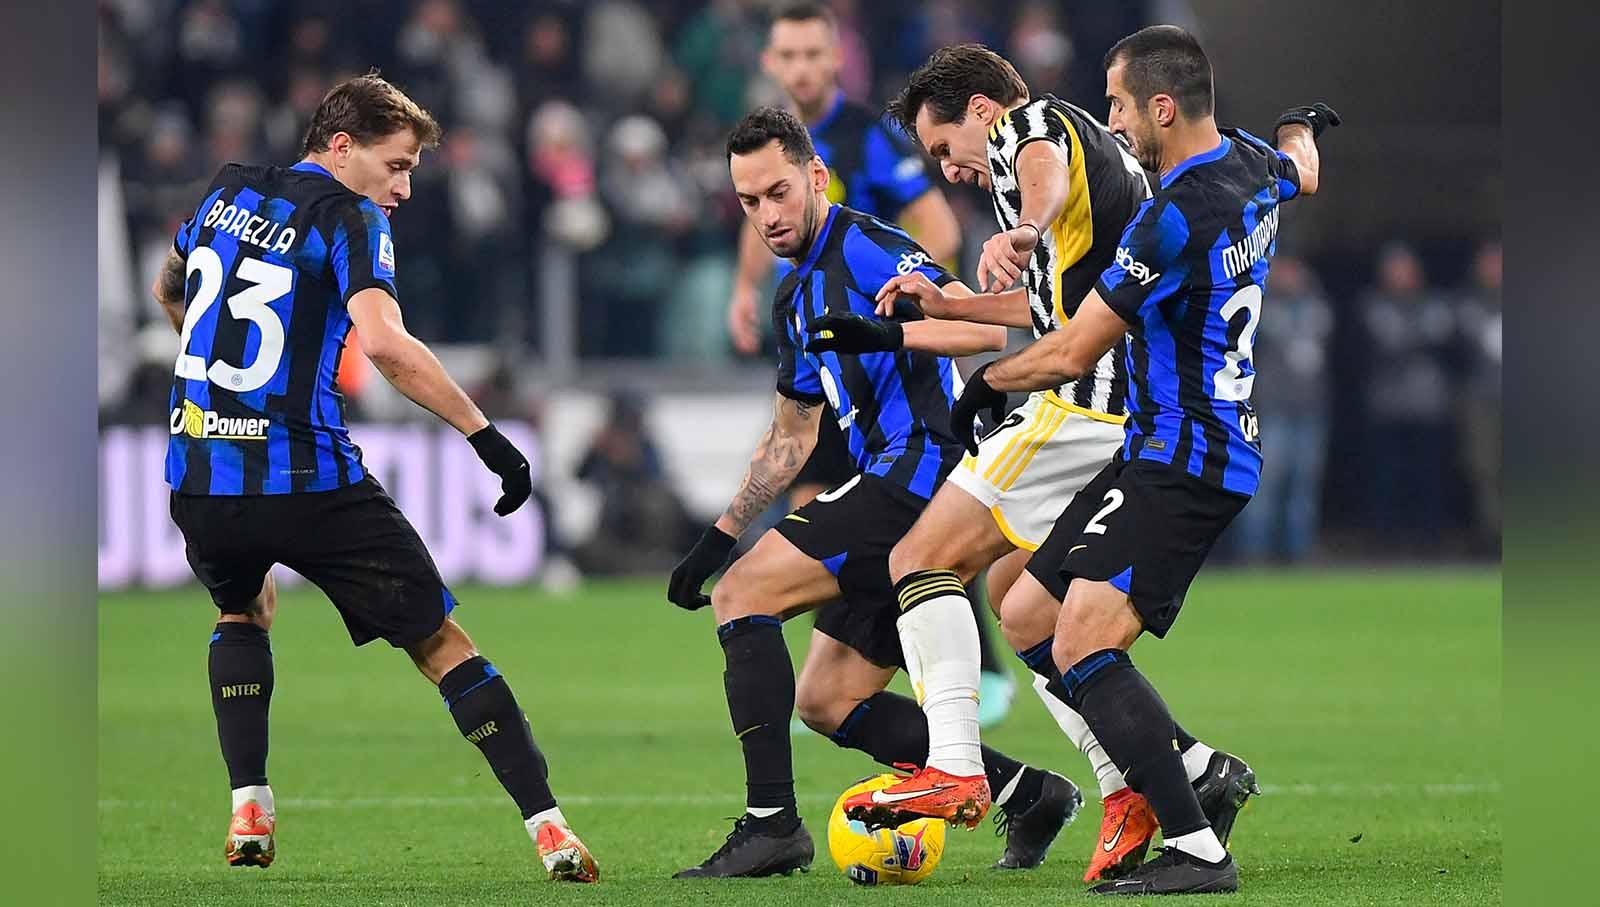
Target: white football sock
[
  {"x": 553, "y": 814},
  {"x": 761, "y": 812},
  {"x": 1202, "y": 843},
  {"x": 1073, "y": 725},
  {"x": 1195, "y": 760},
  {"x": 260, "y": 793},
  {"x": 940, "y": 640}
]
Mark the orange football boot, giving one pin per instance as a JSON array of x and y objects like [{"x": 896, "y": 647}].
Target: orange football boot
[
  {"x": 928, "y": 793},
  {"x": 250, "y": 837},
  {"x": 1125, "y": 833},
  {"x": 564, "y": 856}
]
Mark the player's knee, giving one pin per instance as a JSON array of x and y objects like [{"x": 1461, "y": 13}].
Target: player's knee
[
  {"x": 266, "y": 604},
  {"x": 734, "y": 595},
  {"x": 1025, "y": 624},
  {"x": 442, "y": 652},
  {"x": 819, "y": 705},
  {"x": 1094, "y": 616},
  {"x": 907, "y": 556}
]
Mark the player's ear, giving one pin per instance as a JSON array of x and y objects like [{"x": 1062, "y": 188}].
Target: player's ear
[
  {"x": 978, "y": 106},
  {"x": 340, "y": 144},
  {"x": 1165, "y": 109},
  {"x": 819, "y": 174}
]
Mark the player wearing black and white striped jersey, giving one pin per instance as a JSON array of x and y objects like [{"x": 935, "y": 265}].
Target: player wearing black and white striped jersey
[{"x": 1064, "y": 189}]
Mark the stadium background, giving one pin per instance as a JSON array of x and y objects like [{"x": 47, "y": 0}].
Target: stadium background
[
  {"x": 569, "y": 248},
  {"x": 568, "y": 252}
]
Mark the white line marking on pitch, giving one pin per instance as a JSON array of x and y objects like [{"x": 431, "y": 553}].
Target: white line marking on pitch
[{"x": 1279, "y": 790}]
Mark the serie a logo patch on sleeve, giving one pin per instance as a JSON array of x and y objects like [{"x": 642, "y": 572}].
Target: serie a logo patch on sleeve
[{"x": 385, "y": 253}]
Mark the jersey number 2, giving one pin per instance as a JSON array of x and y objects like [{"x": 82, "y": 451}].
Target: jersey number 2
[
  {"x": 1230, "y": 381},
  {"x": 270, "y": 282},
  {"x": 1113, "y": 500}
]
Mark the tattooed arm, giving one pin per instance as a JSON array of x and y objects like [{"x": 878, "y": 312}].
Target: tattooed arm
[
  {"x": 777, "y": 460},
  {"x": 168, "y": 288}
]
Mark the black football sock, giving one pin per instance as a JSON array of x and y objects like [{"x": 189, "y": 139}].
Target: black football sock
[
  {"x": 240, "y": 664},
  {"x": 1040, "y": 660},
  {"x": 480, "y": 701},
  {"x": 893, "y": 730},
  {"x": 1131, "y": 721},
  {"x": 759, "y": 681},
  {"x": 978, "y": 595}
]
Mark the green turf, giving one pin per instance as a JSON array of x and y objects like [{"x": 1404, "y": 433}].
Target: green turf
[{"x": 1369, "y": 703}]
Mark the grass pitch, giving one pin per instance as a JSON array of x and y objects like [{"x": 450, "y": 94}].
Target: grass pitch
[{"x": 1368, "y": 703}]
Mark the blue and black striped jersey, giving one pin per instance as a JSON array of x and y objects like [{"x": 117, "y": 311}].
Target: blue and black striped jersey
[
  {"x": 894, "y": 408},
  {"x": 1188, "y": 278},
  {"x": 273, "y": 256}
]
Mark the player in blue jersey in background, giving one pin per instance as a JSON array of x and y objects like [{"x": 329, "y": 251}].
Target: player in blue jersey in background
[
  {"x": 263, "y": 283},
  {"x": 875, "y": 169},
  {"x": 1186, "y": 287},
  {"x": 894, "y": 410}
]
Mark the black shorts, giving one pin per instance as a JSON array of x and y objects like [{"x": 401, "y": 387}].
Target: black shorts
[
  {"x": 830, "y": 463},
  {"x": 352, "y": 542},
  {"x": 851, "y": 529},
  {"x": 1144, "y": 527}
]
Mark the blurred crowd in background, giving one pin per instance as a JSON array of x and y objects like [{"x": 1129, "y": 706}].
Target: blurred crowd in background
[{"x": 596, "y": 129}]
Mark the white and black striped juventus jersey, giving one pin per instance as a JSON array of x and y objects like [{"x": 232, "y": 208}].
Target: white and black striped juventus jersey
[{"x": 1107, "y": 187}]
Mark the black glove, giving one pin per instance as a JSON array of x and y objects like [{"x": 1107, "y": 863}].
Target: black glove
[
  {"x": 854, "y": 334},
  {"x": 505, "y": 461},
  {"x": 1318, "y": 117},
  {"x": 974, "y": 398},
  {"x": 705, "y": 558}
]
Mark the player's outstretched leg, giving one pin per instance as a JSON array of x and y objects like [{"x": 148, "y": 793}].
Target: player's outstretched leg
[
  {"x": 487, "y": 714},
  {"x": 240, "y": 667},
  {"x": 941, "y": 653},
  {"x": 840, "y": 695},
  {"x": 1127, "y": 826},
  {"x": 773, "y": 578},
  {"x": 1132, "y": 722},
  {"x": 950, "y": 542}
]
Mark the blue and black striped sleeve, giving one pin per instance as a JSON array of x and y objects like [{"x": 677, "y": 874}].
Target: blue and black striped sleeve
[
  {"x": 876, "y": 253},
  {"x": 1147, "y": 264},
  {"x": 363, "y": 251},
  {"x": 797, "y": 375},
  {"x": 1280, "y": 166}
]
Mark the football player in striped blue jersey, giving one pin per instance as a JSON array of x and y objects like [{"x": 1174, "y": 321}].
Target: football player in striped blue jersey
[{"x": 1186, "y": 286}]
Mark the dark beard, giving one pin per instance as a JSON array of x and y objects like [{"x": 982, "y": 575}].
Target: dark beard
[{"x": 810, "y": 225}]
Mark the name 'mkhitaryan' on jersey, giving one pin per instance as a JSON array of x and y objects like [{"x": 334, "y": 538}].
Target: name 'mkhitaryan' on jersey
[{"x": 272, "y": 257}]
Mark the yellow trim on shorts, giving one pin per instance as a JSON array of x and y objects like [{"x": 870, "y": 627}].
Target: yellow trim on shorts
[
  {"x": 1094, "y": 414},
  {"x": 1012, "y": 443},
  {"x": 1010, "y": 534},
  {"x": 1046, "y": 431}
]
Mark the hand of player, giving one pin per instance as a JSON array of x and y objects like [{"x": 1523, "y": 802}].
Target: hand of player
[
  {"x": 977, "y": 395},
  {"x": 505, "y": 461},
  {"x": 1005, "y": 256},
  {"x": 744, "y": 328},
  {"x": 705, "y": 558},
  {"x": 924, "y": 293},
  {"x": 1315, "y": 117},
  {"x": 854, "y": 334}
]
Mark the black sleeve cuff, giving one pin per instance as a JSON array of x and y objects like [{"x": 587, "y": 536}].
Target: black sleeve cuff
[{"x": 800, "y": 396}]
